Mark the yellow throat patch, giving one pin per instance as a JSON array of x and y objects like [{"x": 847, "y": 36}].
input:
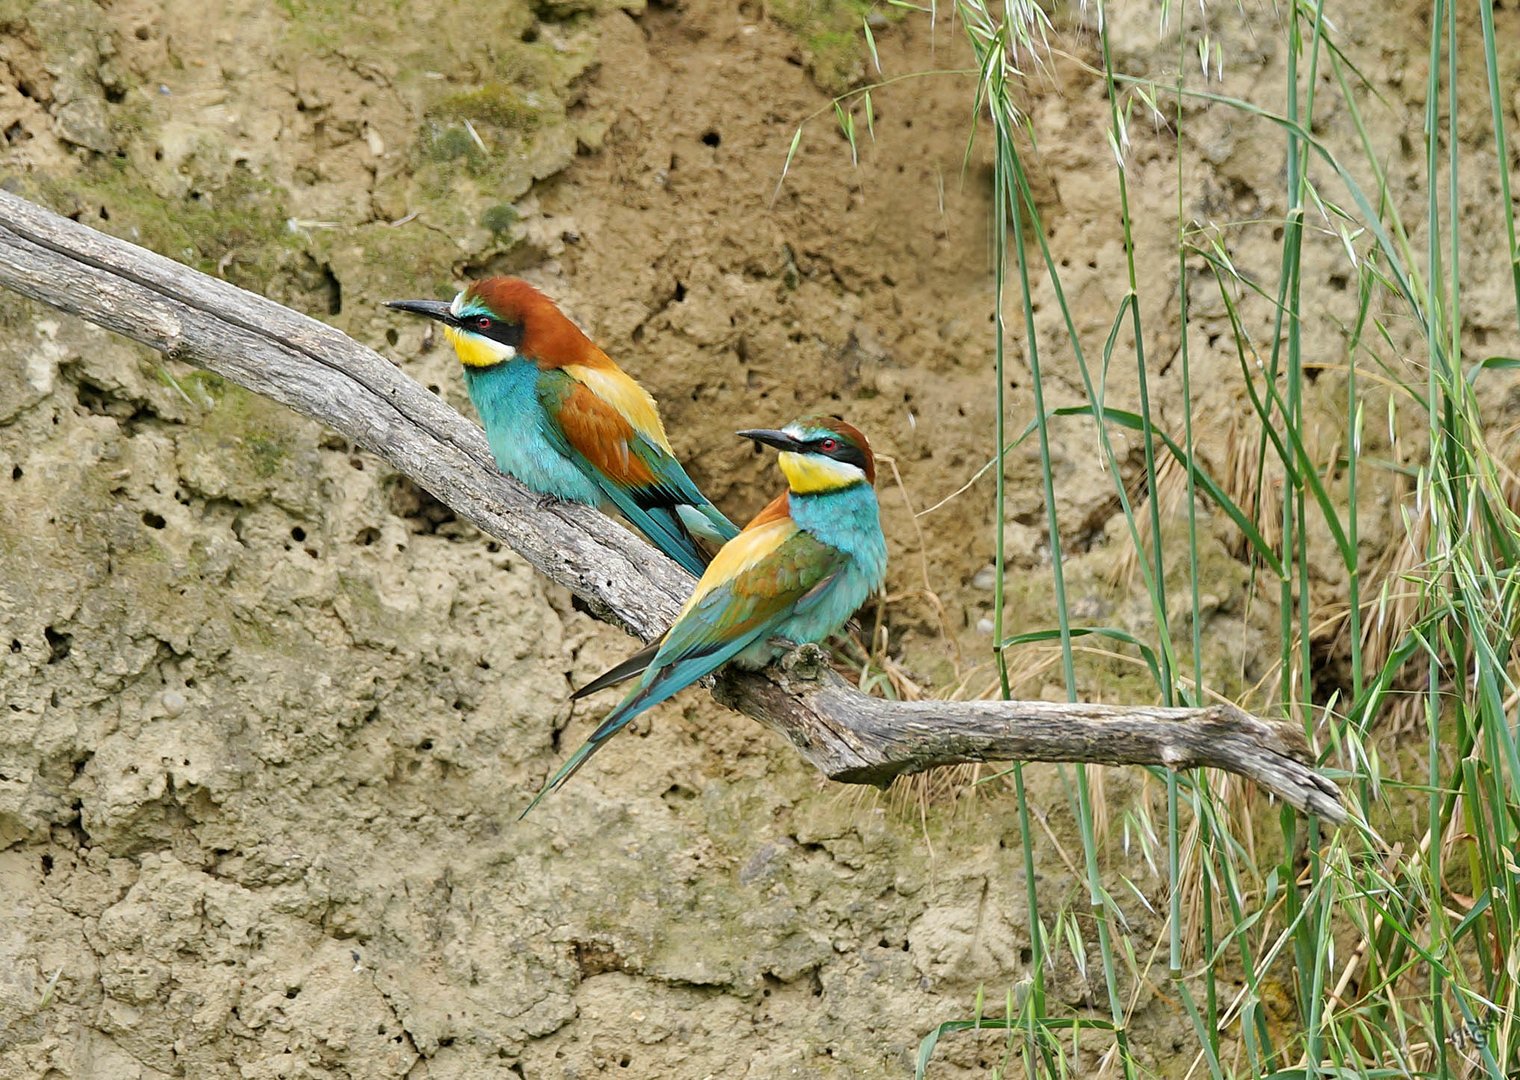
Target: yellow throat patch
[
  {"x": 476, "y": 351},
  {"x": 809, "y": 474}
]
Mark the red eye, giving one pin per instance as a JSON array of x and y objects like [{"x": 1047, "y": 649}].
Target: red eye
[
  {"x": 483, "y": 322},
  {"x": 828, "y": 446}
]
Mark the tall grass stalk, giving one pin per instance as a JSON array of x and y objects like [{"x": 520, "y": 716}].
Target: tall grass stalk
[
  {"x": 1387, "y": 949},
  {"x": 995, "y": 59},
  {"x": 1205, "y": 1022}
]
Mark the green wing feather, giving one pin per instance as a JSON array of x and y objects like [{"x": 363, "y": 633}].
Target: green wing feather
[
  {"x": 653, "y": 507},
  {"x": 754, "y": 601},
  {"x": 728, "y": 619}
]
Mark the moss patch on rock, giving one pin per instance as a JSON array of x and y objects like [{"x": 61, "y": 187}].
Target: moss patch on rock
[
  {"x": 832, "y": 38},
  {"x": 233, "y": 226}
]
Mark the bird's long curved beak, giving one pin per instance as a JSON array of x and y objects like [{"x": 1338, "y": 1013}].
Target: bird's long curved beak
[
  {"x": 428, "y": 309},
  {"x": 779, "y": 439}
]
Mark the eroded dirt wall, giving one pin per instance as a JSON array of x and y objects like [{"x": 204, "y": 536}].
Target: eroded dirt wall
[{"x": 270, "y": 712}]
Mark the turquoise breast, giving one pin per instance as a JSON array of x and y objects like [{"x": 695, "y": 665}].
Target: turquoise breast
[
  {"x": 848, "y": 521},
  {"x": 506, "y": 397}
]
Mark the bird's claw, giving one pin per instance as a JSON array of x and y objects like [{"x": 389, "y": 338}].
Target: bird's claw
[
  {"x": 806, "y": 661},
  {"x": 548, "y": 502}
]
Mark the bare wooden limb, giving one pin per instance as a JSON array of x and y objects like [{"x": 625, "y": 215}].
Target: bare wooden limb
[{"x": 322, "y": 373}]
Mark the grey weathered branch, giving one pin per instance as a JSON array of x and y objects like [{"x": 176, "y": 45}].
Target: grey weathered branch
[{"x": 324, "y": 374}]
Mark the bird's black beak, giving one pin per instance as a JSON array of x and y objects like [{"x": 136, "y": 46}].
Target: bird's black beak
[
  {"x": 428, "y": 309},
  {"x": 779, "y": 439}
]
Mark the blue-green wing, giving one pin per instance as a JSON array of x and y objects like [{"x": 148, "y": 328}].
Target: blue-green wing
[
  {"x": 638, "y": 476},
  {"x": 747, "y": 607},
  {"x": 728, "y": 618}
]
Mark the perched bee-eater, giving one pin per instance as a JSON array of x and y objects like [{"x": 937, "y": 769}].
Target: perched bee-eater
[
  {"x": 795, "y": 574},
  {"x": 568, "y": 422}
]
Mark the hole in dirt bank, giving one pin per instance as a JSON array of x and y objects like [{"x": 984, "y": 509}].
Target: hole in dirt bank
[
  {"x": 596, "y": 958},
  {"x": 712, "y": 138},
  {"x": 530, "y": 35},
  {"x": 15, "y": 645},
  {"x": 59, "y": 644},
  {"x": 680, "y": 294},
  {"x": 152, "y": 520},
  {"x": 298, "y": 534},
  {"x": 334, "y": 290},
  {"x": 94, "y": 399},
  {"x": 423, "y": 513},
  {"x": 676, "y": 794},
  {"x": 16, "y": 473}
]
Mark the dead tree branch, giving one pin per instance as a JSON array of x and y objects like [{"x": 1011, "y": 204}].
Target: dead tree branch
[{"x": 323, "y": 374}]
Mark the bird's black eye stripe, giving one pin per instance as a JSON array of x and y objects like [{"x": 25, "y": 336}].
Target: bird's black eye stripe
[
  {"x": 843, "y": 451},
  {"x": 851, "y": 455},
  {"x": 508, "y": 333}
]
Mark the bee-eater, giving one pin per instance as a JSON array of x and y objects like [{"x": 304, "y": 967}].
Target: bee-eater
[
  {"x": 795, "y": 574},
  {"x": 568, "y": 422}
]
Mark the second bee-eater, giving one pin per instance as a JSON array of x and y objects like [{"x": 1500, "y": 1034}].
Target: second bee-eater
[
  {"x": 568, "y": 422},
  {"x": 795, "y": 574}
]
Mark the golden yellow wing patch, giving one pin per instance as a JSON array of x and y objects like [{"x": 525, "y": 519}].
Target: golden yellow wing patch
[
  {"x": 741, "y": 553},
  {"x": 601, "y": 434},
  {"x": 614, "y": 386}
]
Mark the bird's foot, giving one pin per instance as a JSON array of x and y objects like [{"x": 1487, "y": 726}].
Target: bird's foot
[
  {"x": 548, "y": 502},
  {"x": 805, "y": 661}
]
